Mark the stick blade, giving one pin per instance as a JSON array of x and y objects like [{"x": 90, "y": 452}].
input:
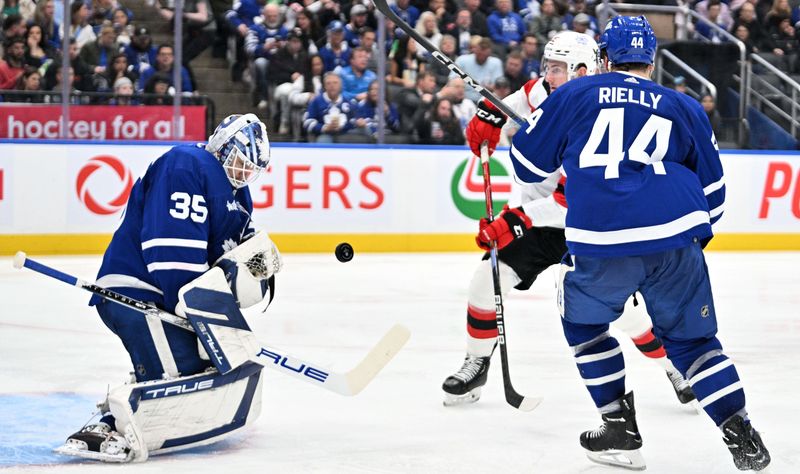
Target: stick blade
[
  {"x": 19, "y": 259},
  {"x": 521, "y": 402},
  {"x": 377, "y": 358},
  {"x": 529, "y": 403}
]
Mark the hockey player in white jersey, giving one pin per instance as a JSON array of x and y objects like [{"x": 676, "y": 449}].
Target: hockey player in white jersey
[
  {"x": 530, "y": 234},
  {"x": 186, "y": 244}
]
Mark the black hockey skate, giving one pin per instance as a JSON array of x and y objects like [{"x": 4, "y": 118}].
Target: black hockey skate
[
  {"x": 465, "y": 385},
  {"x": 617, "y": 441},
  {"x": 745, "y": 444},
  {"x": 97, "y": 441},
  {"x": 682, "y": 388}
]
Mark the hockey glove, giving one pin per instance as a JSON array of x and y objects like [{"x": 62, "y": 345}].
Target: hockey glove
[
  {"x": 485, "y": 126},
  {"x": 510, "y": 224}
]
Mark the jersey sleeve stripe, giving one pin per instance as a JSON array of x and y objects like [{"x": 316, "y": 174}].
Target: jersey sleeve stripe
[
  {"x": 115, "y": 280},
  {"x": 190, "y": 243},
  {"x": 520, "y": 158},
  {"x": 638, "y": 234},
  {"x": 717, "y": 211},
  {"x": 714, "y": 187},
  {"x": 189, "y": 267}
]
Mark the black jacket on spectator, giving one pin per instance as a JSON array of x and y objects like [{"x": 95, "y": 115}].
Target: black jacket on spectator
[
  {"x": 283, "y": 64},
  {"x": 758, "y": 37},
  {"x": 83, "y": 75},
  {"x": 411, "y": 106},
  {"x": 479, "y": 26}
]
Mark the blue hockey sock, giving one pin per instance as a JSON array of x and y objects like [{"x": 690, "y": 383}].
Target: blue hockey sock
[
  {"x": 716, "y": 384},
  {"x": 602, "y": 368}
]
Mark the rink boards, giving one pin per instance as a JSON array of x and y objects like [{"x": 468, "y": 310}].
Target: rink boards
[{"x": 67, "y": 197}]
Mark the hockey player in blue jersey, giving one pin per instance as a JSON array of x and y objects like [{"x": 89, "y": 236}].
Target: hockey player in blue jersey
[
  {"x": 185, "y": 227},
  {"x": 644, "y": 185}
]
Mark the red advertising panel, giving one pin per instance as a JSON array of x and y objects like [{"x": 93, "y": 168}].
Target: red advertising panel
[{"x": 102, "y": 122}]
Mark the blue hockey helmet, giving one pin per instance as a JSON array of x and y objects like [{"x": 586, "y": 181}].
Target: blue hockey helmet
[
  {"x": 241, "y": 145},
  {"x": 629, "y": 39}
]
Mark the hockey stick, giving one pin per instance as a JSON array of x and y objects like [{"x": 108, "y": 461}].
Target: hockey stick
[
  {"x": 512, "y": 396},
  {"x": 344, "y": 383},
  {"x": 383, "y": 7}
]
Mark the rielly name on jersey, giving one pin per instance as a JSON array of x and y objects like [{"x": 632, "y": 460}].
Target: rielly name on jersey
[{"x": 626, "y": 134}]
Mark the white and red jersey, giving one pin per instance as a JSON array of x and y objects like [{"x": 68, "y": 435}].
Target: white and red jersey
[{"x": 543, "y": 202}]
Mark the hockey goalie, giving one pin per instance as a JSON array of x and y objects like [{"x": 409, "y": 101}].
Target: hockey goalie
[{"x": 186, "y": 245}]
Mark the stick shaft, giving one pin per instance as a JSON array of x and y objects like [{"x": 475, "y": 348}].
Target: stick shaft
[{"x": 512, "y": 396}]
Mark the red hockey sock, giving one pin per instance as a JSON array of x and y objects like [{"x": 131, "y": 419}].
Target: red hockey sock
[
  {"x": 649, "y": 345},
  {"x": 481, "y": 324}
]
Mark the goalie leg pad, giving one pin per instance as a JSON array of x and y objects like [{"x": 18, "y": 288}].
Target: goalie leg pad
[
  {"x": 221, "y": 328},
  {"x": 164, "y": 416}
]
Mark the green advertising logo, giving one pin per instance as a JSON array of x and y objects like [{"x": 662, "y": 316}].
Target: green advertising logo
[{"x": 466, "y": 187}]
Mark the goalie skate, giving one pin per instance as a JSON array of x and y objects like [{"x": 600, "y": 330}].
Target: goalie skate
[
  {"x": 617, "y": 441},
  {"x": 98, "y": 442},
  {"x": 465, "y": 385}
]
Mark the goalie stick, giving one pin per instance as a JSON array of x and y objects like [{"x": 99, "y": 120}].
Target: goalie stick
[
  {"x": 347, "y": 383},
  {"x": 383, "y": 7},
  {"x": 512, "y": 396}
]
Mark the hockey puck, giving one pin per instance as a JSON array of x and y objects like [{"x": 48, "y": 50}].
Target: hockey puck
[{"x": 344, "y": 252}]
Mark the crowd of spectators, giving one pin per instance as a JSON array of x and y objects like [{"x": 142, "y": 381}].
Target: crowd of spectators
[
  {"x": 312, "y": 64},
  {"x": 770, "y": 28},
  {"x": 107, "y": 54}
]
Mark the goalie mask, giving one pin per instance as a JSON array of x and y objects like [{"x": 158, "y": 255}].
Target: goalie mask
[
  {"x": 575, "y": 50},
  {"x": 241, "y": 145}
]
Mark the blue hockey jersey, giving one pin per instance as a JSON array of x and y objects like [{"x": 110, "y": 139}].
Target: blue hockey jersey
[
  {"x": 642, "y": 164},
  {"x": 182, "y": 215}
]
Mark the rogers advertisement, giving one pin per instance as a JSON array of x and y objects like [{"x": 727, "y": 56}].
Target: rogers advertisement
[
  {"x": 314, "y": 190},
  {"x": 102, "y": 122}
]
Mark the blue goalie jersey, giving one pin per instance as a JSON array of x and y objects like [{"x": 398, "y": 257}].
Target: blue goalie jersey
[
  {"x": 182, "y": 215},
  {"x": 642, "y": 164}
]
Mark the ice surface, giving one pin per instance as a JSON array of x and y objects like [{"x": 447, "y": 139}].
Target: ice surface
[{"x": 57, "y": 359}]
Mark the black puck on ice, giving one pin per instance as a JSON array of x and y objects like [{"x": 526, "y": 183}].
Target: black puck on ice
[{"x": 344, "y": 252}]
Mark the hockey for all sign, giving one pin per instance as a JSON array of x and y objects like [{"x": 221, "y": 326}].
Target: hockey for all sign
[{"x": 102, "y": 122}]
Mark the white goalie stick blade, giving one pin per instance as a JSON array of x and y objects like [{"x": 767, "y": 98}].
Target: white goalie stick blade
[
  {"x": 632, "y": 460},
  {"x": 347, "y": 383}
]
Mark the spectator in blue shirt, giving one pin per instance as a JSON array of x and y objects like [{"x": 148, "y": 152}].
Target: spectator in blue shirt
[
  {"x": 506, "y": 27},
  {"x": 366, "y": 119},
  {"x": 140, "y": 52},
  {"x": 328, "y": 115},
  {"x": 409, "y": 13},
  {"x": 240, "y": 19},
  {"x": 358, "y": 20},
  {"x": 356, "y": 78},
  {"x": 262, "y": 42},
  {"x": 165, "y": 61},
  {"x": 335, "y": 52}
]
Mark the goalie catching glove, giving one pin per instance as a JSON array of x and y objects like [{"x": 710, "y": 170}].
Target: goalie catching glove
[
  {"x": 509, "y": 225},
  {"x": 485, "y": 126}
]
